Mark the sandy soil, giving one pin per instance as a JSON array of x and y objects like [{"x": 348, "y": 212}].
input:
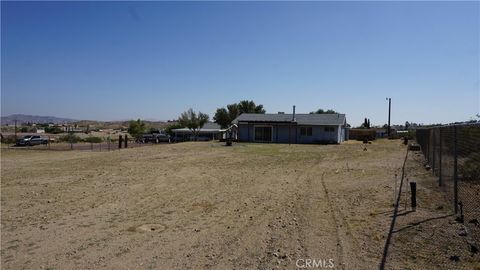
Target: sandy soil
[
  {"x": 431, "y": 237},
  {"x": 203, "y": 205}
]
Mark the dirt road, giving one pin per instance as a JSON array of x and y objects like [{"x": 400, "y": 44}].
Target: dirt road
[{"x": 198, "y": 205}]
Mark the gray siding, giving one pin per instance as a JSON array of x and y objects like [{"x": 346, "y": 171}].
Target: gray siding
[
  {"x": 284, "y": 133},
  {"x": 243, "y": 133},
  {"x": 319, "y": 135}
]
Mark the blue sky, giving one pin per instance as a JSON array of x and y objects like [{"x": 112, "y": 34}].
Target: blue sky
[{"x": 153, "y": 60}]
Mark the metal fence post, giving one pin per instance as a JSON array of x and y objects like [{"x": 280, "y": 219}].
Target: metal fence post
[
  {"x": 440, "y": 159},
  {"x": 427, "y": 144},
  {"x": 413, "y": 188},
  {"x": 455, "y": 173},
  {"x": 433, "y": 150},
  {"x": 119, "y": 142}
]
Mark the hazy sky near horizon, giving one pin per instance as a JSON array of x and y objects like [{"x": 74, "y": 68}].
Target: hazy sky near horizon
[{"x": 153, "y": 60}]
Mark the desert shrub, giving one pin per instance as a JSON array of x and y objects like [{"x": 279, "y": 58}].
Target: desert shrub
[
  {"x": 93, "y": 139},
  {"x": 137, "y": 128},
  {"x": 8, "y": 139},
  {"x": 470, "y": 170},
  {"x": 70, "y": 138},
  {"x": 53, "y": 130}
]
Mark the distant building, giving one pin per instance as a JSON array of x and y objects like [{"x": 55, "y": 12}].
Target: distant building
[
  {"x": 209, "y": 131},
  {"x": 381, "y": 133}
]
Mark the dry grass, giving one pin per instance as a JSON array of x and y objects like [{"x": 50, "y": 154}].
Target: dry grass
[{"x": 199, "y": 205}]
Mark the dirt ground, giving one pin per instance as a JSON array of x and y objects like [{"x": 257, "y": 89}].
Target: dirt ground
[{"x": 202, "y": 205}]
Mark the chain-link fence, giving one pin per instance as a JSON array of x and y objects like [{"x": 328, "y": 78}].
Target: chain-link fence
[
  {"x": 453, "y": 154},
  {"x": 77, "y": 144}
]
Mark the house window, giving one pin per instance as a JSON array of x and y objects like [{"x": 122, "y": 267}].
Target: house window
[
  {"x": 329, "y": 129},
  {"x": 306, "y": 131},
  {"x": 263, "y": 134}
]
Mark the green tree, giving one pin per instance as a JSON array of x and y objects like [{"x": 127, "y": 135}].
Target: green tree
[
  {"x": 193, "y": 121},
  {"x": 322, "y": 111},
  {"x": 136, "y": 128},
  {"x": 168, "y": 129},
  {"x": 366, "y": 123},
  {"x": 234, "y": 112},
  {"x": 224, "y": 117},
  {"x": 246, "y": 106}
]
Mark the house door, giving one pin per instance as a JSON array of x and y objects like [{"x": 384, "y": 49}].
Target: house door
[{"x": 263, "y": 133}]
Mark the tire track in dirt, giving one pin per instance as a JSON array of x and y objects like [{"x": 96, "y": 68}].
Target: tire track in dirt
[
  {"x": 346, "y": 243},
  {"x": 289, "y": 235},
  {"x": 340, "y": 249}
]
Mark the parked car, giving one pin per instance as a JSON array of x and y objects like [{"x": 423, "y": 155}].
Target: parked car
[
  {"x": 31, "y": 140},
  {"x": 155, "y": 137}
]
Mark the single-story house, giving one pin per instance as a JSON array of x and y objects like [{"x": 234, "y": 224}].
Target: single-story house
[
  {"x": 292, "y": 128},
  {"x": 209, "y": 131}
]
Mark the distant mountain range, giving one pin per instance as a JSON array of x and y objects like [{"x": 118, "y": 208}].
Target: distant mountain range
[{"x": 23, "y": 118}]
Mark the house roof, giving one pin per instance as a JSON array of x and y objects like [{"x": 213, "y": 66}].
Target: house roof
[
  {"x": 301, "y": 119},
  {"x": 208, "y": 127}
]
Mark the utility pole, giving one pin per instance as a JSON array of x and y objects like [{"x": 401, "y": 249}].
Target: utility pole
[{"x": 389, "y": 112}]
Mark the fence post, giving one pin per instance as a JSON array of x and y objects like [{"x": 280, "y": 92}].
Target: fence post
[
  {"x": 427, "y": 143},
  {"x": 440, "y": 180},
  {"x": 126, "y": 141},
  {"x": 119, "y": 142},
  {"x": 433, "y": 150},
  {"x": 455, "y": 173},
  {"x": 413, "y": 188}
]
